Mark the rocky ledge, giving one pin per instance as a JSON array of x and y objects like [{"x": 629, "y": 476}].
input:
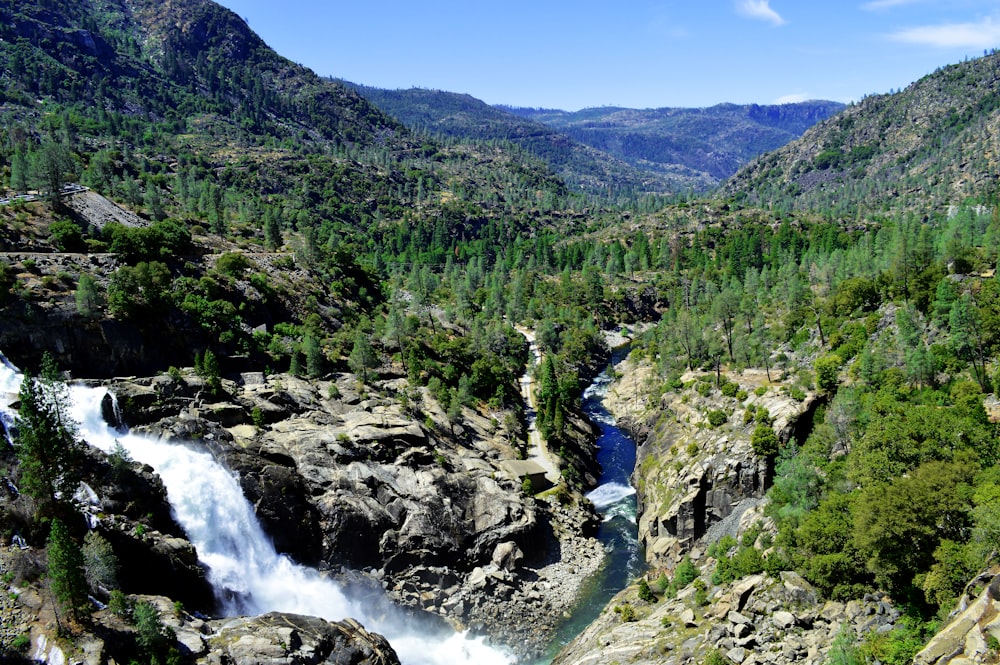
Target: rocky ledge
[
  {"x": 343, "y": 476},
  {"x": 755, "y": 621},
  {"x": 695, "y": 478}
]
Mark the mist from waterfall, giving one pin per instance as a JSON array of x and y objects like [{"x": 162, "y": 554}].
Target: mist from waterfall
[{"x": 248, "y": 575}]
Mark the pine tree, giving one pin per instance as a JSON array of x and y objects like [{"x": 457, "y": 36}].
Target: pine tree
[
  {"x": 46, "y": 444},
  {"x": 66, "y": 575}
]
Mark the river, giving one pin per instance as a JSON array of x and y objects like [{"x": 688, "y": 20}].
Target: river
[
  {"x": 248, "y": 576},
  {"x": 251, "y": 578},
  {"x": 614, "y": 498}
]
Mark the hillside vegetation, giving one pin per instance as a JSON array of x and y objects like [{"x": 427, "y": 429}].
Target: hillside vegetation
[
  {"x": 696, "y": 148},
  {"x": 283, "y": 251},
  {"x": 920, "y": 150}
]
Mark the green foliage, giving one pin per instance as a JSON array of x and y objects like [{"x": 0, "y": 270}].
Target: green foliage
[
  {"x": 627, "y": 612},
  {"x": 119, "y": 604},
  {"x": 844, "y": 649},
  {"x": 855, "y": 294},
  {"x": 899, "y": 525},
  {"x": 140, "y": 291},
  {"x": 233, "y": 264},
  {"x": 646, "y": 593},
  {"x": 100, "y": 563},
  {"x": 206, "y": 365},
  {"x": 89, "y": 299},
  {"x": 46, "y": 444},
  {"x": 896, "y": 647},
  {"x": 827, "y": 367},
  {"x": 714, "y": 657},
  {"x": 363, "y": 357},
  {"x": 158, "y": 241},
  {"x": 66, "y": 236},
  {"x": 155, "y": 641},
  {"x": 66, "y": 570},
  {"x": 717, "y": 417},
  {"x": 764, "y": 441},
  {"x": 685, "y": 573},
  {"x": 746, "y": 561}
]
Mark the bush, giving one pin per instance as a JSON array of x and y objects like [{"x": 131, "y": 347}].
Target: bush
[
  {"x": 626, "y": 612},
  {"x": 685, "y": 573},
  {"x": 233, "y": 264},
  {"x": 66, "y": 236},
  {"x": 827, "y": 368},
  {"x": 716, "y": 417},
  {"x": 645, "y": 593},
  {"x": 764, "y": 440},
  {"x": 730, "y": 389}
]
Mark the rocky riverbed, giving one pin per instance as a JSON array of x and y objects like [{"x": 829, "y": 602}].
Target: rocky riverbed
[{"x": 344, "y": 477}]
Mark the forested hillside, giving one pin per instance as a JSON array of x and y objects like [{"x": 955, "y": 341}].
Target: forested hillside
[
  {"x": 326, "y": 300},
  {"x": 583, "y": 168},
  {"x": 919, "y": 150},
  {"x": 697, "y": 147}
]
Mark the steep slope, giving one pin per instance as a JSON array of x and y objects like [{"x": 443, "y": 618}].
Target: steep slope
[
  {"x": 926, "y": 147},
  {"x": 179, "y": 108},
  {"x": 711, "y": 142},
  {"x": 466, "y": 118}
]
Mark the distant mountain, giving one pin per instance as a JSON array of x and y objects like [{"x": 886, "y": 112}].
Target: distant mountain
[
  {"x": 924, "y": 148},
  {"x": 466, "y": 118},
  {"x": 712, "y": 142},
  {"x": 614, "y": 149},
  {"x": 178, "y": 109}
]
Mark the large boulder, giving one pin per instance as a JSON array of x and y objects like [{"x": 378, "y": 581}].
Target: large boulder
[{"x": 292, "y": 639}]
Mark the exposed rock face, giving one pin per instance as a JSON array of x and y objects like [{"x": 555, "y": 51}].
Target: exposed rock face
[
  {"x": 291, "y": 639},
  {"x": 342, "y": 476},
  {"x": 965, "y": 639},
  {"x": 692, "y": 477},
  {"x": 757, "y": 620}
]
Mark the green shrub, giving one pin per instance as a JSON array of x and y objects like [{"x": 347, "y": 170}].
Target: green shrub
[
  {"x": 21, "y": 643},
  {"x": 715, "y": 657},
  {"x": 716, "y": 417},
  {"x": 626, "y": 612},
  {"x": 730, "y": 389},
  {"x": 233, "y": 264},
  {"x": 685, "y": 573},
  {"x": 764, "y": 440},
  {"x": 645, "y": 593}
]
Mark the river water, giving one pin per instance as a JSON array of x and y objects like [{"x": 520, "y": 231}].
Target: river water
[
  {"x": 248, "y": 576},
  {"x": 615, "y": 500},
  {"x": 251, "y": 578}
]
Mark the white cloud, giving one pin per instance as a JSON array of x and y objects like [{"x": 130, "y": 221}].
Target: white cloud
[
  {"x": 759, "y": 9},
  {"x": 985, "y": 34},
  {"x": 887, "y": 4},
  {"x": 793, "y": 98}
]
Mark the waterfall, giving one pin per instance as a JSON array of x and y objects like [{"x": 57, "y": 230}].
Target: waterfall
[{"x": 249, "y": 577}]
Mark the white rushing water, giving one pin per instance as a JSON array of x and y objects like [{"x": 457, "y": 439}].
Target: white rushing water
[{"x": 246, "y": 572}]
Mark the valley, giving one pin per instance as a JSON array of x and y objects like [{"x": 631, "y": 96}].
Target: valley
[{"x": 301, "y": 371}]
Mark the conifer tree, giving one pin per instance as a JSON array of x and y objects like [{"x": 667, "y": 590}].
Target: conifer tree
[
  {"x": 46, "y": 443},
  {"x": 66, "y": 575}
]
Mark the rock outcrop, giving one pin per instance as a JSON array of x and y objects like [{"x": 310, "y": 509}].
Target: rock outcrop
[
  {"x": 292, "y": 639},
  {"x": 755, "y": 621},
  {"x": 971, "y": 629},
  {"x": 693, "y": 476},
  {"x": 344, "y": 477}
]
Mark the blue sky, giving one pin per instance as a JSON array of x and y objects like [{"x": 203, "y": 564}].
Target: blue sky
[{"x": 634, "y": 53}]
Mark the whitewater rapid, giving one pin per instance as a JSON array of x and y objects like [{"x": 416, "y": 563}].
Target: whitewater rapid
[{"x": 248, "y": 575}]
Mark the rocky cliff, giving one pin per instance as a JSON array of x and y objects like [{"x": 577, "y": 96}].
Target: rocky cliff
[
  {"x": 754, "y": 621},
  {"x": 345, "y": 477},
  {"x": 693, "y": 477}
]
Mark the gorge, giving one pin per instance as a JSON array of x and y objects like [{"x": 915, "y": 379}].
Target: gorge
[{"x": 248, "y": 576}]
